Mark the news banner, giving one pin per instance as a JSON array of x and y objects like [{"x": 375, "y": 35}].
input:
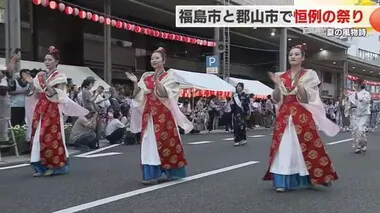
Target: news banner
[{"x": 337, "y": 21}]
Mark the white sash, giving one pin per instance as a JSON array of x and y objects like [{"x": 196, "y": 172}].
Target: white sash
[{"x": 237, "y": 101}]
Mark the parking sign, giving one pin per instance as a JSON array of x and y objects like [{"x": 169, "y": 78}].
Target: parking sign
[{"x": 212, "y": 64}]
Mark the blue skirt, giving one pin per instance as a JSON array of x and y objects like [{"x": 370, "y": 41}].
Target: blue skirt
[
  {"x": 291, "y": 181},
  {"x": 151, "y": 172},
  {"x": 37, "y": 166}
]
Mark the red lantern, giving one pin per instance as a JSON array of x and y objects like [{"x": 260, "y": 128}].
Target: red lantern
[
  {"x": 193, "y": 40},
  {"x": 82, "y": 14},
  {"x": 53, "y": 5},
  {"x": 88, "y": 15},
  {"x": 45, "y": 3},
  {"x": 172, "y": 36},
  {"x": 119, "y": 24},
  {"x": 61, "y": 7},
  {"x": 127, "y": 26},
  {"x": 147, "y": 31},
  {"x": 76, "y": 11},
  {"x": 113, "y": 23},
  {"x": 95, "y": 18},
  {"x": 108, "y": 21},
  {"x": 69, "y": 10},
  {"x": 164, "y": 35},
  {"x": 101, "y": 19},
  {"x": 138, "y": 29},
  {"x": 156, "y": 33},
  {"x": 37, "y": 2}
]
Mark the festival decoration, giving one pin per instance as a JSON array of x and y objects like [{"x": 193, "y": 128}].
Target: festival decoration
[
  {"x": 84, "y": 13},
  {"x": 371, "y": 83},
  {"x": 189, "y": 93}
]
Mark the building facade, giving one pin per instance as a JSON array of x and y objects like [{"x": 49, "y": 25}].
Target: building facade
[{"x": 81, "y": 42}]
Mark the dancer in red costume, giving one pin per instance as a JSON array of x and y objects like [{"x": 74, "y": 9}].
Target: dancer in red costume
[
  {"x": 297, "y": 156},
  {"x": 155, "y": 113},
  {"x": 49, "y": 101}
]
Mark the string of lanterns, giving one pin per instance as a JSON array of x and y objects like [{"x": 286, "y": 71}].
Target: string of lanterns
[
  {"x": 371, "y": 83},
  {"x": 91, "y": 16}
]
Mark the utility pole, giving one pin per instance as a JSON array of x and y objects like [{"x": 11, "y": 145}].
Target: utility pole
[
  {"x": 12, "y": 29},
  {"x": 226, "y": 53},
  {"x": 107, "y": 46}
]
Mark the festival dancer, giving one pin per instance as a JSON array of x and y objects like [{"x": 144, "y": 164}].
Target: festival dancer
[
  {"x": 360, "y": 115},
  {"x": 50, "y": 101},
  {"x": 155, "y": 113},
  {"x": 298, "y": 158},
  {"x": 240, "y": 111}
]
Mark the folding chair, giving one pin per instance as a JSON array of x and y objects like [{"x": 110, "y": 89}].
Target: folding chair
[{"x": 13, "y": 139}]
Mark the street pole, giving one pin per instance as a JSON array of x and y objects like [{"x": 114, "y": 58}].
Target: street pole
[
  {"x": 345, "y": 73},
  {"x": 107, "y": 46},
  {"x": 216, "y": 48},
  {"x": 12, "y": 29},
  {"x": 283, "y": 49}
]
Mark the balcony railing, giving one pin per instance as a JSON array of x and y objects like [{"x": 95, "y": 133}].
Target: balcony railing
[{"x": 368, "y": 56}]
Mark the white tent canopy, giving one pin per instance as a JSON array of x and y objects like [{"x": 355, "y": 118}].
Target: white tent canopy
[
  {"x": 202, "y": 81},
  {"x": 76, "y": 73},
  {"x": 252, "y": 86}
]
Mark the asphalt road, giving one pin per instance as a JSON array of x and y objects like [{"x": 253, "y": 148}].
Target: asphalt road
[{"x": 222, "y": 178}]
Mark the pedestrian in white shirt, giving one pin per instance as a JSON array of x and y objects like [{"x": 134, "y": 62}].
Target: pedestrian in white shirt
[{"x": 115, "y": 129}]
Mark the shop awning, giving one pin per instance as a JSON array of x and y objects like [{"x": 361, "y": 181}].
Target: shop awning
[
  {"x": 76, "y": 73},
  {"x": 195, "y": 84},
  {"x": 201, "y": 81},
  {"x": 252, "y": 86}
]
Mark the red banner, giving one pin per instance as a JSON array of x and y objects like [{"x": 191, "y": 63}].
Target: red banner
[
  {"x": 188, "y": 93},
  {"x": 371, "y": 83}
]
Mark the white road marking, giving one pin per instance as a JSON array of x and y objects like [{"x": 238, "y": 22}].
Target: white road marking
[
  {"x": 102, "y": 154},
  {"x": 341, "y": 141},
  {"x": 14, "y": 166},
  {"x": 228, "y": 139},
  {"x": 98, "y": 150},
  {"x": 257, "y": 136},
  {"x": 151, "y": 188},
  {"x": 200, "y": 142}
]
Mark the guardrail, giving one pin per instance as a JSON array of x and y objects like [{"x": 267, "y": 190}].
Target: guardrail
[{"x": 368, "y": 56}]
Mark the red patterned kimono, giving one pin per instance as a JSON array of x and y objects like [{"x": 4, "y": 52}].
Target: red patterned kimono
[
  {"x": 169, "y": 144},
  {"x": 318, "y": 164},
  {"x": 52, "y": 149}
]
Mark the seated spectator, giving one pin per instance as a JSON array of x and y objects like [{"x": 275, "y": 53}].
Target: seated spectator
[
  {"x": 83, "y": 133},
  {"x": 115, "y": 129}
]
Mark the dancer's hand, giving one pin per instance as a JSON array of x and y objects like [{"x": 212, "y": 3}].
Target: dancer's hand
[
  {"x": 12, "y": 62},
  {"x": 275, "y": 78},
  {"x": 131, "y": 77},
  {"x": 28, "y": 78}
]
